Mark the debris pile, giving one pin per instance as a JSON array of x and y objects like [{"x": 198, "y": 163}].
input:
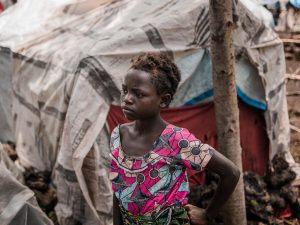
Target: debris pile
[
  {"x": 201, "y": 195},
  {"x": 270, "y": 199},
  {"x": 39, "y": 183}
]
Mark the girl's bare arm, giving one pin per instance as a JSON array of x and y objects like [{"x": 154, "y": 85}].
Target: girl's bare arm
[{"x": 229, "y": 176}]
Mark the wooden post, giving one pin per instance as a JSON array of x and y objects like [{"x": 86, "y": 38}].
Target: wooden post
[{"x": 225, "y": 100}]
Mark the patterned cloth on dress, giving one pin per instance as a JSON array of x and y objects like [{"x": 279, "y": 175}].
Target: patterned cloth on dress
[
  {"x": 172, "y": 216},
  {"x": 150, "y": 184}
]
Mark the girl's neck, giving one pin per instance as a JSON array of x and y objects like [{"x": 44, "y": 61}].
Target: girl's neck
[{"x": 149, "y": 125}]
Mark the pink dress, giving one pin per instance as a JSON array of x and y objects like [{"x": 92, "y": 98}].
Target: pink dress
[{"x": 149, "y": 184}]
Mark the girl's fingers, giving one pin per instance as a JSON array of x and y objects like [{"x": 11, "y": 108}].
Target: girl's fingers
[{"x": 187, "y": 207}]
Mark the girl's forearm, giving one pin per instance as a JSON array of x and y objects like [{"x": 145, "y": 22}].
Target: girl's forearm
[
  {"x": 223, "y": 192},
  {"x": 229, "y": 176}
]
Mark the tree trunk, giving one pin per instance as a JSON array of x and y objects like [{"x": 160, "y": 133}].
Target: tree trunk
[{"x": 225, "y": 100}]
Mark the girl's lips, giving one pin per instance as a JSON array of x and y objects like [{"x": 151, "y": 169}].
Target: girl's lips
[
  {"x": 127, "y": 110},
  {"x": 129, "y": 113}
]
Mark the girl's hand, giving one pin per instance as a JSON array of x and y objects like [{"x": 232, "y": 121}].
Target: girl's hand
[{"x": 196, "y": 214}]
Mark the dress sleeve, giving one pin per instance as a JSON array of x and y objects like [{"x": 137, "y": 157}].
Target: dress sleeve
[
  {"x": 114, "y": 145},
  {"x": 192, "y": 152},
  {"x": 115, "y": 138}
]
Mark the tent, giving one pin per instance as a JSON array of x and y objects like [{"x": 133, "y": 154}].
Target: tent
[{"x": 68, "y": 60}]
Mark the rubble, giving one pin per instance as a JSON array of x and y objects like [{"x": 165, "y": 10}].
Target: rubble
[
  {"x": 39, "y": 183},
  {"x": 279, "y": 174},
  {"x": 45, "y": 193}
]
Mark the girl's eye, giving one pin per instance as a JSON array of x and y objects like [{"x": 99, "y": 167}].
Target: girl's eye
[
  {"x": 139, "y": 95},
  {"x": 124, "y": 91}
]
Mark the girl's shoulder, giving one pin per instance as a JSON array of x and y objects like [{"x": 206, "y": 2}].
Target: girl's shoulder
[
  {"x": 125, "y": 127},
  {"x": 119, "y": 129},
  {"x": 115, "y": 140}
]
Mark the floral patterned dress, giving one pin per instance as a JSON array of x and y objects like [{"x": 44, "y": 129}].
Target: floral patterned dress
[{"x": 150, "y": 185}]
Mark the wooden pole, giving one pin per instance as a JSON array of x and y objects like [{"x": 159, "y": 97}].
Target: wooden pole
[{"x": 225, "y": 100}]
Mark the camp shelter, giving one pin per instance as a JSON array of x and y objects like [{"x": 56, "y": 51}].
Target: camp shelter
[{"x": 68, "y": 60}]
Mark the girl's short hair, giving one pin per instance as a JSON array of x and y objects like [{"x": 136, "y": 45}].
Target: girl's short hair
[{"x": 165, "y": 75}]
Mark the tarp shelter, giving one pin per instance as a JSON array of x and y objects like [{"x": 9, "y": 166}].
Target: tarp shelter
[{"x": 68, "y": 59}]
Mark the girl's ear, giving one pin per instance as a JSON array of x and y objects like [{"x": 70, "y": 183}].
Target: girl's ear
[{"x": 165, "y": 100}]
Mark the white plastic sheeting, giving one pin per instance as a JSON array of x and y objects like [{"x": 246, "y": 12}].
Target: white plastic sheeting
[
  {"x": 68, "y": 63},
  {"x": 6, "y": 118}
]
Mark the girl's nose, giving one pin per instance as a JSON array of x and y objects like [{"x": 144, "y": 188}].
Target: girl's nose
[{"x": 128, "y": 98}]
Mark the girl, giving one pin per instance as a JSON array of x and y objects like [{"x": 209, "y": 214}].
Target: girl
[{"x": 150, "y": 156}]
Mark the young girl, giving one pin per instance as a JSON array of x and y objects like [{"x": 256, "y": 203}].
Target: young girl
[{"x": 150, "y": 156}]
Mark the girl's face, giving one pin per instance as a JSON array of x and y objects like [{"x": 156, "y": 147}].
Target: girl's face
[{"x": 139, "y": 98}]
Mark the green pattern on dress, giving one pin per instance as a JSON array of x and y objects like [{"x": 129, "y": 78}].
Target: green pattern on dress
[{"x": 170, "y": 216}]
